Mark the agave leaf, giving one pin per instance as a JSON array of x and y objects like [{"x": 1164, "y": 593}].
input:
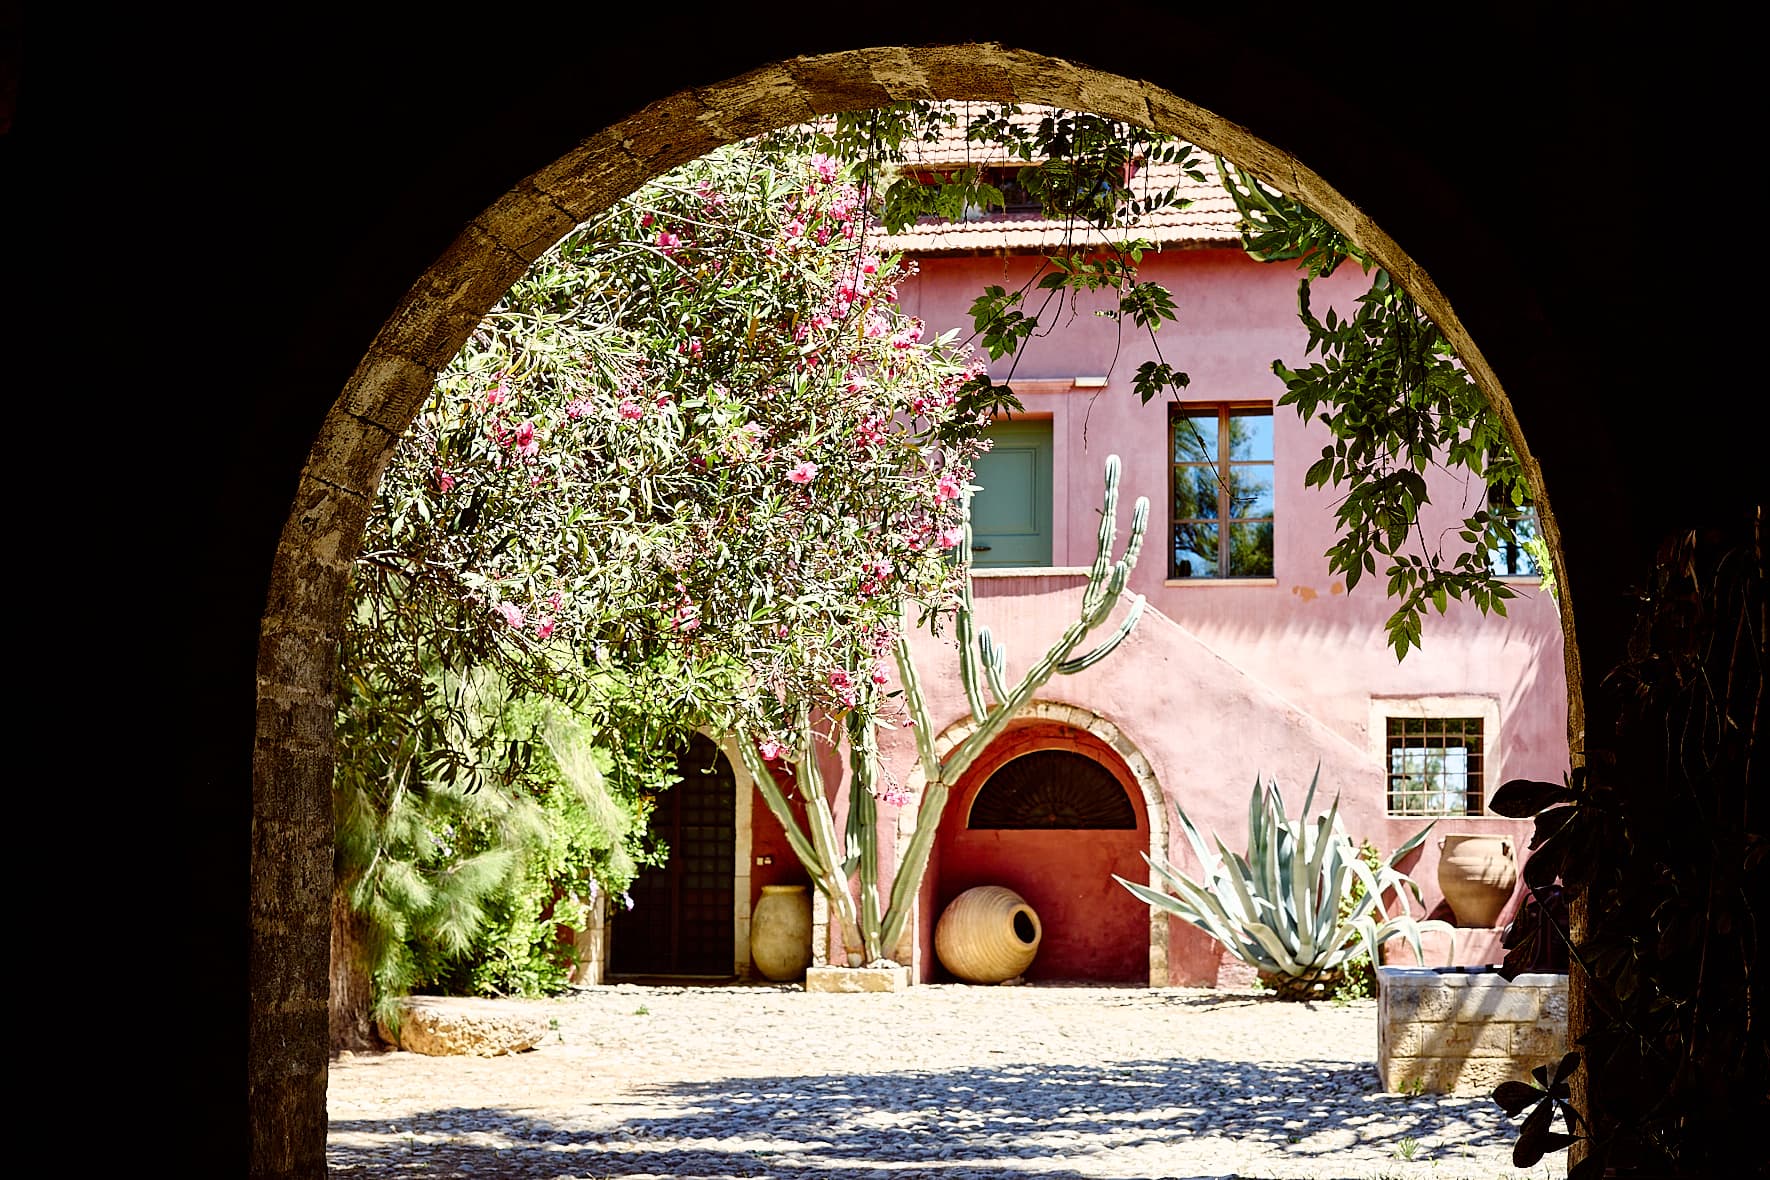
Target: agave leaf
[
  {"x": 1207, "y": 860},
  {"x": 1410, "y": 844},
  {"x": 1195, "y": 906},
  {"x": 1310, "y": 797}
]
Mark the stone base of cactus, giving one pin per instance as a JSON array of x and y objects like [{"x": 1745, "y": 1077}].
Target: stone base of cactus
[
  {"x": 892, "y": 978},
  {"x": 1319, "y": 986}
]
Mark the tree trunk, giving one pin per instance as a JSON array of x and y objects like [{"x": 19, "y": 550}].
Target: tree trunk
[{"x": 349, "y": 1013}]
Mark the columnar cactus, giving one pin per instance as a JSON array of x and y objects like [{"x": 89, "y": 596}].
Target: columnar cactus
[{"x": 867, "y": 934}]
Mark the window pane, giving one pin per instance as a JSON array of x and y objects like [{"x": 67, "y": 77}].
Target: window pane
[
  {"x": 1513, "y": 560},
  {"x": 1195, "y": 438},
  {"x": 1250, "y": 490},
  {"x": 1250, "y": 435},
  {"x": 1195, "y": 550},
  {"x": 1195, "y": 493},
  {"x": 1250, "y": 550}
]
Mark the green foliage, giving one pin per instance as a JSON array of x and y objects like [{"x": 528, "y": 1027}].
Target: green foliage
[
  {"x": 1662, "y": 832},
  {"x": 1279, "y": 908},
  {"x": 465, "y": 842},
  {"x": 1391, "y": 391},
  {"x": 1358, "y": 979},
  {"x": 692, "y": 468},
  {"x": 593, "y": 846}
]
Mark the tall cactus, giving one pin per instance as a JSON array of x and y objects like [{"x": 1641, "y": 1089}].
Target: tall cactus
[{"x": 867, "y": 934}]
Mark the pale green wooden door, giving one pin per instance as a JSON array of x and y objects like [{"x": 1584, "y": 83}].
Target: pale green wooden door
[{"x": 1011, "y": 510}]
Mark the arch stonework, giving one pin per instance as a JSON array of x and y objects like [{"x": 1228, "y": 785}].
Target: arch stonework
[{"x": 292, "y": 757}]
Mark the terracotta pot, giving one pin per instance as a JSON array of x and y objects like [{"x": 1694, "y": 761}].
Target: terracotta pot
[
  {"x": 780, "y": 932},
  {"x": 987, "y": 935},
  {"x": 1476, "y": 874}
]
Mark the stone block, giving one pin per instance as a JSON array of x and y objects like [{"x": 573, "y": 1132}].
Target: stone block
[
  {"x": 895, "y": 978},
  {"x": 445, "y": 1026},
  {"x": 1545, "y": 1041},
  {"x": 1448, "y": 1075},
  {"x": 1481, "y": 1038}
]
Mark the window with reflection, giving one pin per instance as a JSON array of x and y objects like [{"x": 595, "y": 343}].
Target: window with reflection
[
  {"x": 1222, "y": 512},
  {"x": 1520, "y": 555}
]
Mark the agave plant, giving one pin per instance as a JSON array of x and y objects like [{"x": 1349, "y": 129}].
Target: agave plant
[{"x": 1278, "y": 909}]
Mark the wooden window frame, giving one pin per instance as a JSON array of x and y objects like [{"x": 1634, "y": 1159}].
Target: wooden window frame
[{"x": 1225, "y": 411}]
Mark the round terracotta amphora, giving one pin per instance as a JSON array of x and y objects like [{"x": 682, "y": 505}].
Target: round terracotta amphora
[
  {"x": 780, "y": 932},
  {"x": 987, "y": 935},
  {"x": 1476, "y": 874}
]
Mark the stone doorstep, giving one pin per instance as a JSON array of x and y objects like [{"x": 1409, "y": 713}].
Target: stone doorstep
[{"x": 857, "y": 979}]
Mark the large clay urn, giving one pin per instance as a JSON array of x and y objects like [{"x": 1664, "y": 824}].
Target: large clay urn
[
  {"x": 987, "y": 935},
  {"x": 780, "y": 932},
  {"x": 1476, "y": 874}
]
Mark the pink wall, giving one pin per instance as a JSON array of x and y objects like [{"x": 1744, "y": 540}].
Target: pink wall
[{"x": 1224, "y": 681}]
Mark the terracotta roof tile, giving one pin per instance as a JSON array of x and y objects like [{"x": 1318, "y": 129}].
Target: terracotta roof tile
[{"x": 1209, "y": 221}]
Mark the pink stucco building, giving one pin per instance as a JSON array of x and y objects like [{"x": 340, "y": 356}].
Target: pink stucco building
[{"x": 1250, "y": 660}]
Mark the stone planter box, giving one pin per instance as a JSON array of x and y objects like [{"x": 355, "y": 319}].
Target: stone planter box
[
  {"x": 1466, "y": 1030},
  {"x": 895, "y": 978}
]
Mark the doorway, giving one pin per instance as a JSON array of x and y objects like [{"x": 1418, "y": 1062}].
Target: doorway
[{"x": 680, "y": 922}]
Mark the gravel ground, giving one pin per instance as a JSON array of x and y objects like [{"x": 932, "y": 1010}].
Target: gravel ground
[{"x": 944, "y": 1082}]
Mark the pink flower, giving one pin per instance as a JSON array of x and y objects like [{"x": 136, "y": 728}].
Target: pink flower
[
  {"x": 630, "y": 410},
  {"x": 444, "y": 482},
  {"x": 824, "y": 166},
  {"x": 878, "y": 677},
  {"x": 577, "y": 408},
  {"x": 843, "y": 684},
  {"x": 554, "y": 599},
  {"x": 686, "y": 618},
  {"x": 496, "y": 397},
  {"x": 895, "y": 795},
  {"x": 804, "y": 473},
  {"x": 951, "y": 536},
  {"x": 668, "y": 241},
  {"x": 524, "y": 440},
  {"x": 769, "y": 749},
  {"x": 544, "y": 628},
  {"x": 645, "y": 220},
  {"x": 512, "y": 613},
  {"x": 948, "y": 488}
]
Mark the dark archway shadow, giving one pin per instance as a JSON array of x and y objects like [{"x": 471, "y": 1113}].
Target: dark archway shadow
[{"x": 296, "y": 184}]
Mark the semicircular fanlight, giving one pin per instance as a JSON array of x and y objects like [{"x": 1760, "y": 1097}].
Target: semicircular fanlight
[{"x": 1051, "y": 789}]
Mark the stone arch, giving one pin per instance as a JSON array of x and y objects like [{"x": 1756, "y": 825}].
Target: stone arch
[{"x": 292, "y": 756}]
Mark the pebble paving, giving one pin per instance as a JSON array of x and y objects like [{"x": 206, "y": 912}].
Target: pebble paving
[{"x": 942, "y": 1082}]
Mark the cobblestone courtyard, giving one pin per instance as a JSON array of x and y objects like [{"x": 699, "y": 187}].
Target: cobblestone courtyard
[{"x": 945, "y": 1082}]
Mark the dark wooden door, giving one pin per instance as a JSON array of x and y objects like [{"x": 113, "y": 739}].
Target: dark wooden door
[{"x": 681, "y": 920}]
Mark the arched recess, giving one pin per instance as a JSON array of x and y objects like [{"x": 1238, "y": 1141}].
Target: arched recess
[
  {"x": 292, "y": 757},
  {"x": 1041, "y": 722}
]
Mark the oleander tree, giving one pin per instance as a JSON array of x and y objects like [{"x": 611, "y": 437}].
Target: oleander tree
[{"x": 698, "y": 468}]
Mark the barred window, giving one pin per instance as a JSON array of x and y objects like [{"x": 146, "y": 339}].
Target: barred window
[{"x": 1435, "y": 765}]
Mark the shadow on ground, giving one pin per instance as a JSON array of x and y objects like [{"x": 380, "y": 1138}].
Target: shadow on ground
[{"x": 1128, "y": 1118}]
